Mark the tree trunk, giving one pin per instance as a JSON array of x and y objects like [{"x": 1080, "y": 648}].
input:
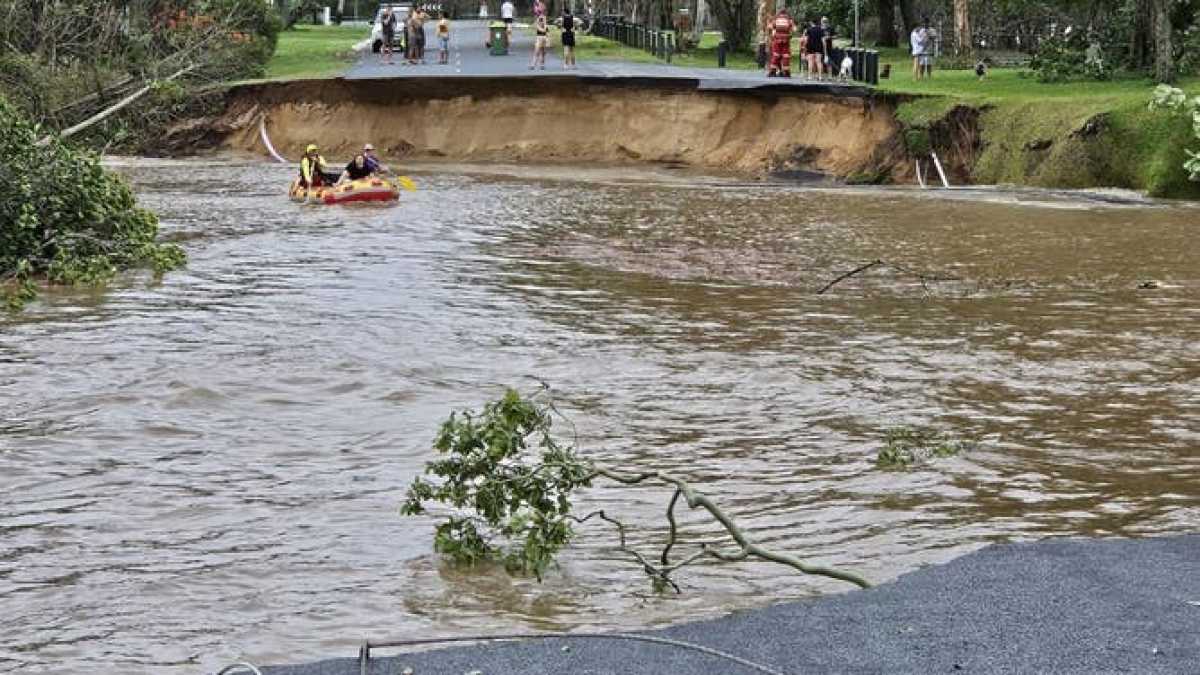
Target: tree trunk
[
  {"x": 1164, "y": 61},
  {"x": 735, "y": 18},
  {"x": 963, "y": 44},
  {"x": 886, "y": 9},
  {"x": 908, "y": 15},
  {"x": 1139, "y": 43},
  {"x": 698, "y": 21},
  {"x": 766, "y": 8}
]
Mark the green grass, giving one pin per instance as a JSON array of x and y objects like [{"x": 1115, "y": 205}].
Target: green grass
[{"x": 313, "y": 51}]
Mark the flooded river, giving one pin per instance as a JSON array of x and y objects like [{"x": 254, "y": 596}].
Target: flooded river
[{"x": 210, "y": 467}]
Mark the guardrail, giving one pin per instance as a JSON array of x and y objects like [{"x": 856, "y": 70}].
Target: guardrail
[{"x": 657, "y": 42}]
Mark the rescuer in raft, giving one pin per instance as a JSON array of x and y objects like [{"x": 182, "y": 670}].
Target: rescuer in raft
[
  {"x": 781, "y": 30},
  {"x": 313, "y": 170}
]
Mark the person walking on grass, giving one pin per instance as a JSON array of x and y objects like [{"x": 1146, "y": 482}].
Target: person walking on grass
[
  {"x": 918, "y": 40},
  {"x": 541, "y": 40},
  {"x": 567, "y": 23},
  {"x": 443, "y": 36}
]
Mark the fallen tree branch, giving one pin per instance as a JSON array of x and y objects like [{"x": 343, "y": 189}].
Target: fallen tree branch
[
  {"x": 921, "y": 276},
  {"x": 113, "y": 109},
  {"x": 746, "y": 548},
  {"x": 847, "y": 275}
]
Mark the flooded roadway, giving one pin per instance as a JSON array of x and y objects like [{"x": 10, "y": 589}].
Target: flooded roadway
[{"x": 210, "y": 467}]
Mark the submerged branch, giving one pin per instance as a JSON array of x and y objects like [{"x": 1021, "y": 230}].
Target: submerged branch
[
  {"x": 920, "y": 276},
  {"x": 746, "y": 548}
]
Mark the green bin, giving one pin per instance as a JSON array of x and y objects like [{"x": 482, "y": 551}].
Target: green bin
[{"x": 498, "y": 38}]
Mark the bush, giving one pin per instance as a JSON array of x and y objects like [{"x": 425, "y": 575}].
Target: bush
[
  {"x": 1062, "y": 59},
  {"x": 66, "y": 220}
]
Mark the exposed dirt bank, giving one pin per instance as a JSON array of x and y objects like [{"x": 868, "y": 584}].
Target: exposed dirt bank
[{"x": 566, "y": 119}]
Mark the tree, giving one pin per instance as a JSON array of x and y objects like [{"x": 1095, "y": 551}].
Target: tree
[
  {"x": 735, "y": 18},
  {"x": 1164, "y": 58},
  {"x": 963, "y": 43},
  {"x": 886, "y": 10}
]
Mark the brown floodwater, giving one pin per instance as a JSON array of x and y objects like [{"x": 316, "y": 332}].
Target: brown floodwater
[{"x": 210, "y": 467}]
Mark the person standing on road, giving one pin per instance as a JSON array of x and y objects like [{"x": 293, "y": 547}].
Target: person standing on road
[
  {"x": 567, "y": 23},
  {"x": 780, "y": 35},
  {"x": 816, "y": 55},
  {"x": 483, "y": 10},
  {"x": 443, "y": 35},
  {"x": 506, "y": 15},
  {"x": 540, "y": 41},
  {"x": 827, "y": 35},
  {"x": 387, "y": 22},
  {"x": 421, "y": 17}
]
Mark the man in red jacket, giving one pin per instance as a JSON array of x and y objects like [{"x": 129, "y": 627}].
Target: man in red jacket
[{"x": 782, "y": 28}]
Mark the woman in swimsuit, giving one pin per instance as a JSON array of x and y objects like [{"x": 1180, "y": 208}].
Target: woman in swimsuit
[{"x": 539, "y": 43}]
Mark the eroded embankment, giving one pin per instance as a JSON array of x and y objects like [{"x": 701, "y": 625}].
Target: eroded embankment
[{"x": 568, "y": 119}]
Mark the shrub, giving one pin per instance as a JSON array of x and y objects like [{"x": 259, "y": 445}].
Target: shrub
[
  {"x": 64, "y": 219},
  {"x": 1062, "y": 59}
]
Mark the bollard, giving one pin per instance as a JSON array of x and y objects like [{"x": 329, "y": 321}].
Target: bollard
[
  {"x": 670, "y": 46},
  {"x": 872, "y": 67},
  {"x": 722, "y": 46}
]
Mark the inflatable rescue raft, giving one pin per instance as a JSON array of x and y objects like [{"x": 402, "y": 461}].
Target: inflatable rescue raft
[{"x": 363, "y": 190}]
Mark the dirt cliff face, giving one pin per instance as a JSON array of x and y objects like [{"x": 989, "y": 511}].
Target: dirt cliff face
[{"x": 572, "y": 120}]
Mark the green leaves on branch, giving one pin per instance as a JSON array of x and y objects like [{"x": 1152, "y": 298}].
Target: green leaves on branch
[
  {"x": 64, "y": 219},
  {"x": 1173, "y": 99},
  {"x": 509, "y": 483},
  {"x": 508, "y": 486},
  {"x": 906, "y": 446}
]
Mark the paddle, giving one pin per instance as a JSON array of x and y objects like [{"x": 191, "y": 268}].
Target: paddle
[{"x": 406, "y": 183}]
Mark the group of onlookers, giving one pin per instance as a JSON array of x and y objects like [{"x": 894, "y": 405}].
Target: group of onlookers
[
  {"x": 816, "y": 46},
  {"x": 413, "y": 36}
]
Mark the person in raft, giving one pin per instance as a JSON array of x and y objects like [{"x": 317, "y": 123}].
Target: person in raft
[
  {"x": 357, "y": 169},
  {"x": 782, "y": 28},
  {"x": 313, "y": 170},
  {"x": 373, "y": 161}
]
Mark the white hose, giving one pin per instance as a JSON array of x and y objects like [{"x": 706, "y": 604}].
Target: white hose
[{"x": 262, "y": 130}]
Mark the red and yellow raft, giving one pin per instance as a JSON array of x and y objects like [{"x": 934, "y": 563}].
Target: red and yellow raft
[{"x": 371, "y": 189}]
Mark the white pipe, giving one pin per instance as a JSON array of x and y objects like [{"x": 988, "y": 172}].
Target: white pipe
[
  {"x": 938, "y": 164},
  {"x": 920, "y": 178},
  {"x": 262, "y": 130}
]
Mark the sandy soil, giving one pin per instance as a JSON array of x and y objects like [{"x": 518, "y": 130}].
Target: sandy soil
[{"x": 568, "y": 119}]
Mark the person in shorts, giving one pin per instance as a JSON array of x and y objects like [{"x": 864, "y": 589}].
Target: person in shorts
[
  {"x": 443, "y": 36},
  {"x": 815, "y": 44},
  {"x": 387, "y": 22},
  {"x": 541, "y": 40},
  {"x": 567, "y": 23},
  {"x": 506, "y": 15}
]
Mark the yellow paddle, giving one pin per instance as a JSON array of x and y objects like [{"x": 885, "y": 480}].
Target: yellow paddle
[{"x": 406, "y": 183}]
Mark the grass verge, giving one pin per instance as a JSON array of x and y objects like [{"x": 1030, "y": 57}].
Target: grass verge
[{"x": 314, "y": 51}]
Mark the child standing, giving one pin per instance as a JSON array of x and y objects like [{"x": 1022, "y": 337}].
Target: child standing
[{"x": 443, "y": 36}]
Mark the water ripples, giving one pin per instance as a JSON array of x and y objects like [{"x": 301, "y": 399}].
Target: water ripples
[{"x": 210, "y": 466}]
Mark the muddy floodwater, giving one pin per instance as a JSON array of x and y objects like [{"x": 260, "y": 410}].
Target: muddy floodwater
[{"x": 210, "y": 467}]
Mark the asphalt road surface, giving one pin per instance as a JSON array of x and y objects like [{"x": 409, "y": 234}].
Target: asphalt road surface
[{"x": 1055, "y": 606}]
